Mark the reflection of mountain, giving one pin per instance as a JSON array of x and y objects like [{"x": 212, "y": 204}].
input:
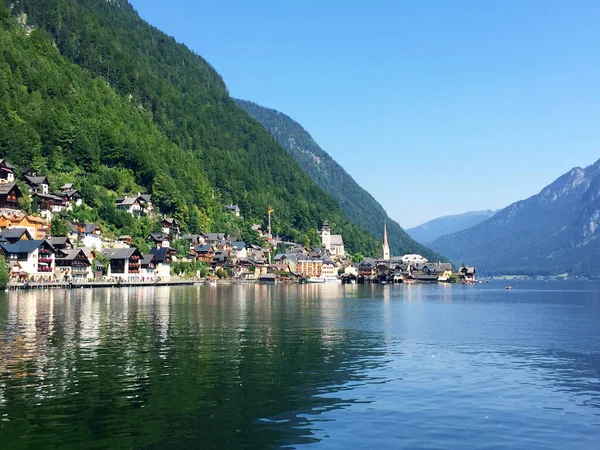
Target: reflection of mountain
[{"x": 162, "y": 367}]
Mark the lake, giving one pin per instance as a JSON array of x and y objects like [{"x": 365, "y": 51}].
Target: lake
[{"x": 309, "y": 366}]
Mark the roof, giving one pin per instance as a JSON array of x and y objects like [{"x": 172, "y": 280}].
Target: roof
[
  {"x": 158, "y": 236},
  {"x": 6, "y": 164},
  {"x": 66, "y": 187},
  {"x": 15, "y": 233},
  {"x": 5, "y": 188},
  {"x": 147, "y": 259},
  {"x": 191, "y": 237},
  {"x": 86, "y": 228},
  {"x": 27, "y": 169},
  {"x": 35, "y": 180},
  {"x": 232, "y": 207},
  {"x": 54, "y": 241},
  {"x": 70, "y": 193},
  {"x": 215, "y": 236},
  {"x": 170, "y": 221},
  {"x": 238, "y": 245},
  {"x": 256, "y": 227},
  {"x": 146, "y": 197},
  {"x": 52, "y": 197},
  {"x": 22, "y": 246},
  {"x": 160, "y": 253},
  {"x": 119, "y": 253},
  {"x": 126, "y": 200},
  {"x": 72, "y": 254},
  {"x": 203, "y": 248}
]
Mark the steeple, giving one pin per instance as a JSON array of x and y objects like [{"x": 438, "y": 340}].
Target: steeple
[{"x": 385, "y": 247}]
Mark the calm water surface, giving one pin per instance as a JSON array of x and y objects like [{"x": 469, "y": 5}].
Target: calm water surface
[{"x": 302, "y": 366}]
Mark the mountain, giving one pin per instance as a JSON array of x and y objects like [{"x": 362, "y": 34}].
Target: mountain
[
  {"x": 430, "y": 231},
  {"x": 360, "y": 206},
  {"x": 553, "y": 232},
  {"x": 92, "y": 94}
]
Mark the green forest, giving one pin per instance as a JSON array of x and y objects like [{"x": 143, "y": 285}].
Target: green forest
[{"x": 93, "y": 95}]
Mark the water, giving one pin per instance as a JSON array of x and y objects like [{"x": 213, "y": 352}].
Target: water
[{"x": 420, "y": 366}]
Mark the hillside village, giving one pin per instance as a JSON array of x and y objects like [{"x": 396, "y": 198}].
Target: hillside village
[{"x": 36, "y": 252}]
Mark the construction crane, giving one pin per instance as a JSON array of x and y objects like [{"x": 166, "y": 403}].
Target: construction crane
[{"x": 269, "y": 211}]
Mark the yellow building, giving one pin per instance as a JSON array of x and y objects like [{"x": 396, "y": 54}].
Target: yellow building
[
  {"x": 309, "y": 266},
  {"x": 37, "y": 227}
]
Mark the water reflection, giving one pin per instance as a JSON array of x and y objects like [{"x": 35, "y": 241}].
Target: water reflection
[
  {"x": 163, "y": 366},
  {"x": 251, "y": 366}
]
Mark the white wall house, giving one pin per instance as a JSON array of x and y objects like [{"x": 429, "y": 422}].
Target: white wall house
[{"x": 28, "y": 259}]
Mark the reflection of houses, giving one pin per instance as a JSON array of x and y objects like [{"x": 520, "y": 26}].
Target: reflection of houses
[
  {"x": 30, "y": 258},
  {"x": 89, "y": 234},
  {"x": 333, "y": 243},
  {"x": 73, "y": 265},
  {"x": 36, "y": 226},
  {"x": 9, "y": 197},
  {"x": 124, "y": 264}
]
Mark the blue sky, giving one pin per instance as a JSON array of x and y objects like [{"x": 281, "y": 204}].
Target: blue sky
[{"x": 434, "y": 107}]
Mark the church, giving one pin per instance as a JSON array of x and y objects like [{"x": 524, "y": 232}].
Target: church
[{"x": 334, "y": 243}]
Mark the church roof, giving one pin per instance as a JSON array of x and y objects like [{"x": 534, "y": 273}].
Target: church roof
[{"x": 336, "y": 239}]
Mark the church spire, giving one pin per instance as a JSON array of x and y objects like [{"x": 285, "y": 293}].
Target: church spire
[{"x": 385, "y": 247}]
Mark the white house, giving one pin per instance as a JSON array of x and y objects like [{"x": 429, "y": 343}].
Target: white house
[
  {"x": 136, "y": 205},
  {"x": 125, "y": 263},
  {"x": 89, "y": 234},
  {"x": 28, "y": 259}
]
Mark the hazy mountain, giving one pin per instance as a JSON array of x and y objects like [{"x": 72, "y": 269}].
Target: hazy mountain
[
  {"x": 360, "y": 206},
  {"x": 555, "y": 231},
  {"x": 430, "y": 231}
]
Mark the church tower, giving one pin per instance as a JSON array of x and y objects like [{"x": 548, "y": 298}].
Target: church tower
[
  {"x": 326, "y": 236},
  {"x": 385, "y": 247}
]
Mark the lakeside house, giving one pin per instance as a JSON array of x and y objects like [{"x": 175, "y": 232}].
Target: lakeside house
[
  {"x": 29, "y": 258},
  {"x": 73, "y": 265},
  {"x": 125, "y": 263}
]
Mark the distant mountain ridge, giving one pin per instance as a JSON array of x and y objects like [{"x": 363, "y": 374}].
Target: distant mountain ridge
[
  {"x": 429, "y": 231},
  {"x": 359, "y": 206},
  {"x": 553, "y": 232}
]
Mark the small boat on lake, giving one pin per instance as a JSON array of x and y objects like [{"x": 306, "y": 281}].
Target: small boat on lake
[{"x": 508, "y": 287}]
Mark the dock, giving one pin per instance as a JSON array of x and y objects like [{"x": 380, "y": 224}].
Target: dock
[{"x": 100, "y": 284}]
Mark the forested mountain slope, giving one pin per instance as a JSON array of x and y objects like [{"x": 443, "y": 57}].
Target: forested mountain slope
[
  {"x": 132, "y": 98},
  {"x": 359, "y": 206},
  {"x": 433, "y": 229},
  {"x": 553, "y": 232}
]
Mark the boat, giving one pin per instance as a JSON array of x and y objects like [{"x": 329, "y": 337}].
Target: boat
[
  {"x": 267, "y": 278},
  {"x": 508, "y": 287},
  {"x": 315, "y": 280}
]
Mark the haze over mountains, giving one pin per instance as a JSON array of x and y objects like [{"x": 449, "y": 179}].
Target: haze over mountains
[
  {"x": 433, "y": 229},
  {"x": 553, "y": 232},
  {"x": 360, "y": 206}
]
